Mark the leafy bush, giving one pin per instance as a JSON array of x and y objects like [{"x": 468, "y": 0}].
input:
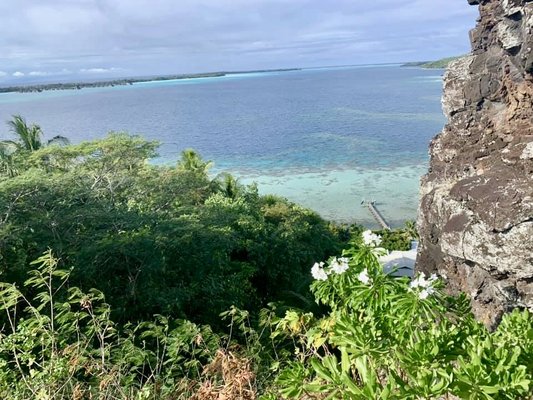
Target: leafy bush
[
  {"x": 156, "y": 239},
  {"x": 391, "y": 338},
  {"x": 380, "y": 338},
  {"x": 62, "y": 344},
  {"x": 175, "y": 243},
  {"x": 398, "y": 239}
]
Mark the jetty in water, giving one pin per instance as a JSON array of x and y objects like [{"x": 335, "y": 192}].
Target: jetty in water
[{"x": 371, "y": 205}]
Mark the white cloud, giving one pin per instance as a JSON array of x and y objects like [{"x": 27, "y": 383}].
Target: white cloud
[
  {"x": 38, "y": 73},
  {"x": 99, "y": 70},
  {"x": 18, "y": 74},
  {"x": 145, "y": 36},
  {"x": 2, "y": 73}
]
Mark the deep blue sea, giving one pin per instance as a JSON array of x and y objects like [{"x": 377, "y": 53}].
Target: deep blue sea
[{"x": 324, "y": 137}]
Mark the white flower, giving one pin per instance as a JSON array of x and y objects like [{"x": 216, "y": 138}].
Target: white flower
[
  {"x": 339, "y": 266},
  {"x": 318, "y": 272},
  {"x": 419, "y": 281},
  {"x": 426, "y": 285},
  {"x": 424, "y": 294},
  {"x": 363, "y": 277},
  {"x": 371, "y": 239}
]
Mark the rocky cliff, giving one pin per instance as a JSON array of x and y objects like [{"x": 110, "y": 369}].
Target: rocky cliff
[{"x": 476, "y": 213}]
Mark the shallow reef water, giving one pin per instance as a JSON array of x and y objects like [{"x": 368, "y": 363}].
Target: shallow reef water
[{"x": 326, "y": 137}]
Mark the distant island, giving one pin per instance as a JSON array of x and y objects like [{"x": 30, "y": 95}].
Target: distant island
[
  {"x": 126, "y": 81},
  {"x": 438, "y": 64}
]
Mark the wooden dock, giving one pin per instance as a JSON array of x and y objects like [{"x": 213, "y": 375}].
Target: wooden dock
[{"x": 376, "y": 214}]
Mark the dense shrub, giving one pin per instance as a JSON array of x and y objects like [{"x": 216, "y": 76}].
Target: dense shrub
[
  {"x": 61, "y": 344},
  {"x": 392, "y": 338},
  {"x": 156, "y": 239},
  {"x": 172, "y": 249},
  {"x": 380, "y": 338}
]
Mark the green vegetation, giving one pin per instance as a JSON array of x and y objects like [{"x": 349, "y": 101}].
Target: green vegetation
[
  {"x": 124, "y": 81},
  {"x": 378, "y": 337},
  {"x": 115, "y": 82},
  {"x": 28, "y": 138},
  {"x": 143, "y": 273},
  {"x": 415, "y": 63},
  {"x": 438, "y": 64},
  {"x": 398, "y": 239},
  {"x": 388, "y": 338},
  {"x": 154, "y": 239}
]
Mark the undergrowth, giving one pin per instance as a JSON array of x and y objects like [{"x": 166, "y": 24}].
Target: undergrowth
[{"x": 372, "y": 336}]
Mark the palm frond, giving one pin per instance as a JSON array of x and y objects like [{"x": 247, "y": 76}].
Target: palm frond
[
  {"x": 29, "y": 137},
  {"x": 191, "y": 161}
]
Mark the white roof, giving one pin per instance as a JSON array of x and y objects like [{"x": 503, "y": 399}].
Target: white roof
[{"x": 404, "y": 261}]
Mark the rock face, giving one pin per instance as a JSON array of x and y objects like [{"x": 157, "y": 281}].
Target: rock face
[{"x": 476, "y": 213}]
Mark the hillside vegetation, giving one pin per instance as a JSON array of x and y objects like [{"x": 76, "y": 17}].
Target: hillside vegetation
[
  {"x": 440, "y": 64},
  {"x": 437, "y": 64},
  {"x": 123, "y": 279},
  {"x": 154, "y": 239}
]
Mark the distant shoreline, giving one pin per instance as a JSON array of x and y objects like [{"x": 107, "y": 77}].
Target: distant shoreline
[
  {"x": 43, "y": 87},
  {"x": 126, "y": 81},
  {"x": 438, "y": 64}
]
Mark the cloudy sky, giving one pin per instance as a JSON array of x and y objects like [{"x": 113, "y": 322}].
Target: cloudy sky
[{"x": 57, "y": 40}]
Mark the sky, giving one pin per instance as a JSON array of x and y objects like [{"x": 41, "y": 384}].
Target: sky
[{"x": 69, "y": 40}]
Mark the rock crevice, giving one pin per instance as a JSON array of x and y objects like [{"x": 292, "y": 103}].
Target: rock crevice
[{"x": 476, "y": 212}]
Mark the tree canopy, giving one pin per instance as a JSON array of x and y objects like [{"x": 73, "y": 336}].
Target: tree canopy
[{"x": 155, "y": 239}]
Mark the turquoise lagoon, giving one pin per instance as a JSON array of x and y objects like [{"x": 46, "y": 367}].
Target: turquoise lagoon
[{"x": 325, "y": 137}]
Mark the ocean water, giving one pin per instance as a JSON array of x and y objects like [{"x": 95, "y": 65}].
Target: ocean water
[{"x": 325, "y": 138}]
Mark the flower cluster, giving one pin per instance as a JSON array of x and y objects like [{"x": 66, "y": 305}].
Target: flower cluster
[
  {"x": 364, "y": 278},
  {"x": 337, "y": 266},
  {"x": 318, "y": 271},
  {"x": 371, "y": 239},
  {"x": 424, "y": 286}
]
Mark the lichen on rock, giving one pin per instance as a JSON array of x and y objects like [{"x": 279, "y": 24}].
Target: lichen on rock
[{"x": 476, "y": 212}]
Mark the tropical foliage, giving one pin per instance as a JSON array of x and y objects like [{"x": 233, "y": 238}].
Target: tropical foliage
[
  {"x": 163, "y": 282},
  {"x": 392, "y": 338},
  {"x": 156, "y": 239},
  {"x": 28, "y": 138},
  {"x": 378, "y": 337}
]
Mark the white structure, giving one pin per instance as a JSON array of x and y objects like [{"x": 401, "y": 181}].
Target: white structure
[{"x": 403, "y": 261}]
